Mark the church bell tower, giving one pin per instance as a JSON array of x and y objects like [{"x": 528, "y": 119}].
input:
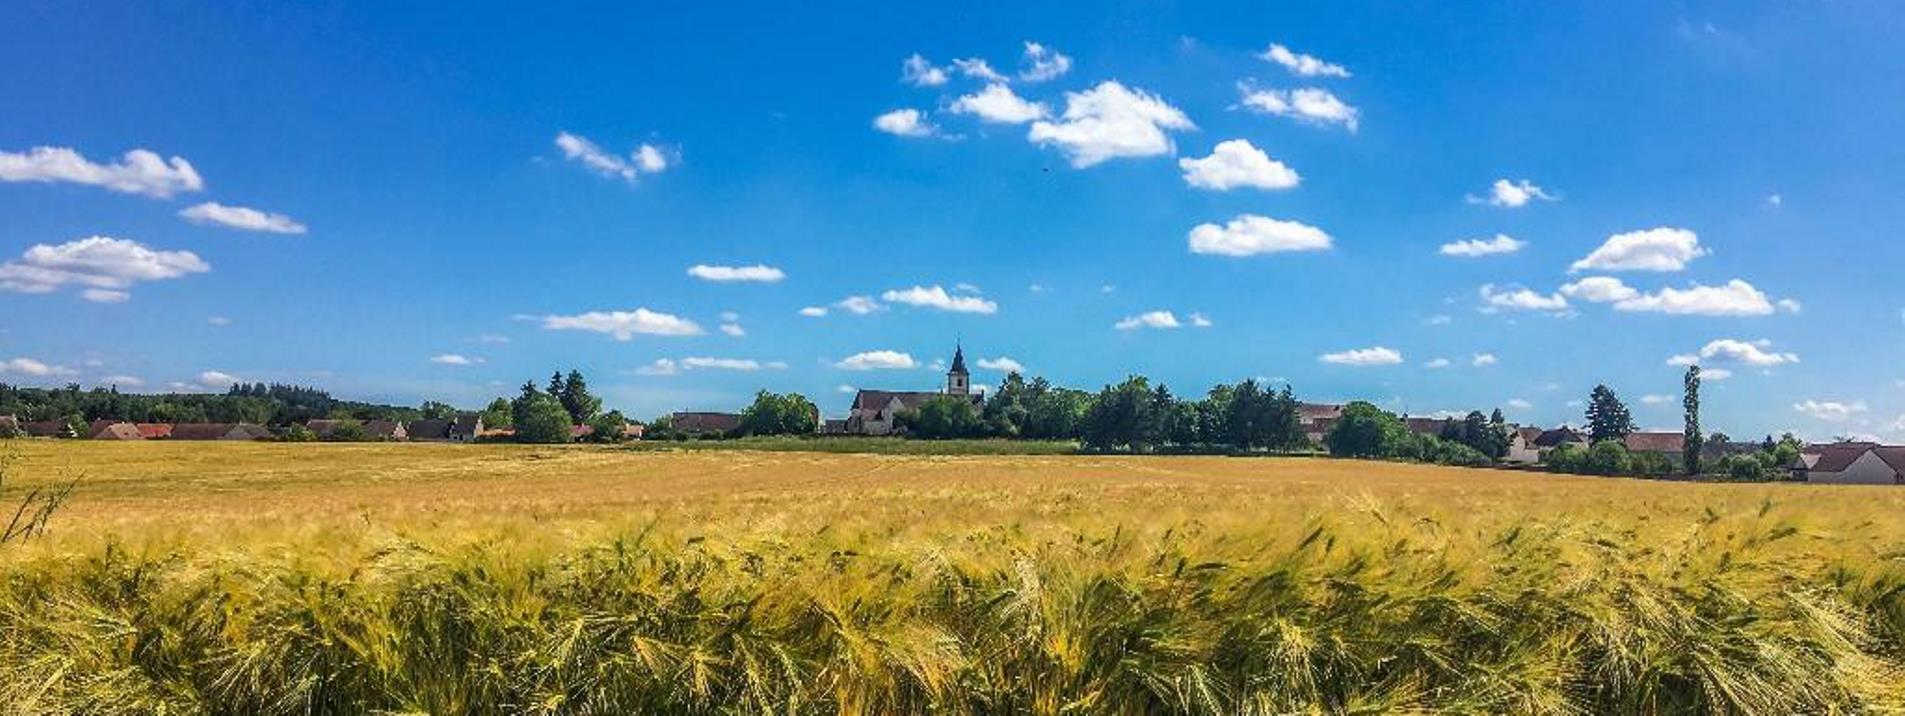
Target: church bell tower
[{"x": 958, "y": 381}]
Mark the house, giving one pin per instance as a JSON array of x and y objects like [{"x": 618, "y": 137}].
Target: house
[
  {"x": 322, "y": 428},
  {"x": 466, "y": 428},
  {"x": 9, "y": 426},
  {"x": 220, "y": 431},
  {"x": 1431, "y": 427},
  {"x": 833, "y": 427},
  {"x": 1672, "y": 445},
  {"x": 46, "y": 429},
  {"x": 1521, "y": 446},
  {"x": 1852, "y": 463},
  {"x": 874, "y": 412},
  {"x": 325, "y": 429},
  {"x": 154, "y": 431},
  {"x": 580, "y": 432},
  {"x": 385, "y": 430},
  {"x": 112, "y": 430},
  {"x": 1556, "y": 437},
  {"x": 704, "y": 423},
  {"x": 1316, "y": 419},
  {"x": 425, "y": 430}
]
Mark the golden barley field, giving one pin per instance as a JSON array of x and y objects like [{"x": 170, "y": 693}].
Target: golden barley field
[{"x": 449, "y": 579}]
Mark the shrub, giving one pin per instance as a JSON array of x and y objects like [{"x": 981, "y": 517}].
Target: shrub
[
  {"x": 542, "y": 420},
  {"x": 1607, "y": 457}
]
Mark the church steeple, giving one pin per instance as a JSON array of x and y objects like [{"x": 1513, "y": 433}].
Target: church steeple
[{"x": 958, "y": 381}]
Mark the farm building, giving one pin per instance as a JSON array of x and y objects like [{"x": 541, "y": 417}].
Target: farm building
[
  {"x": 154, "y": 431},
  {"x": 1852, "y": 463},
  {"x": 1671, "y": 445},
  {"x": 1556, "y": 437},
  {"x": 466, "y": 429},
  {"x": 385, "y": 430},
  {"x": 874, "y": 411},
  {"x": 1521, "y": 446},
  {"x": 46, "y": 429},
  {"x": 110, "y": 430},
  {"x": 425, "y": 431},
  {"x": 704, "y": 423},
  {"x": 1316, "y": 419},
  {"x": 220, "y": 431}
]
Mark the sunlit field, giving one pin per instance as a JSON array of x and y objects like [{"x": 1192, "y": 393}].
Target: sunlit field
[{"x": 352, "y": 578}]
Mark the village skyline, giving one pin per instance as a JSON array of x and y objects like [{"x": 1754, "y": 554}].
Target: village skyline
[{"x": 1490, "y": 209}]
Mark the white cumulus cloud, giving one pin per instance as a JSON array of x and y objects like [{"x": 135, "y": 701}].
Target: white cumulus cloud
[
  {"x": 454, "y": 359},
  {"x": 1236, "y": 163},
  {"x": 139, "y": 171},
  {"x": 1830, "y": 410},
  {"x": 1734, "y": 350},
  {"x": 239, "y": 217},
  {"x": 218, "y": 379},
  {"x": 102, "y": 267},
  {"x": 1734, "y": 298},
  {"x": 1436, "y": 363},
  {"x": 1516, "y": 298},
  {"x": 1658, "y": 249},
  {"x": 1002, "y": 364},
  {"x": 1501, "y": 244},
  {"x": 937, "y": 297},
  {"x": 1111, "y": 121},
  {"x": 35, "y": 368},
  {"x": 858, "y": 305},
  {"x": 1043, "y": 63},
  {"x": 916, "y": 70},
  {"x": 997, "y": 103},
  {"x": 1160, "y": 320},
  {"x": 758, "y": 272},
  {"x": 1512, "y": 194},
  {"x": 1599, "y": 289},
  {"x": 1481, "y": 360},
  {"x": 1302, "y": 65},
  {"x": 1311, "y": 104},
  {"x": 905, "y": 123},
  {"x": 623, "y": 325},
  {"x": 814, "y": 311},
  {"x": 979, "y": 69},
  {"x": 1250, "y": 234},
  {"x": 877, "y": 360},
  {"x": 646, "y": 159},
  {"x": 1363, "y": 357}
]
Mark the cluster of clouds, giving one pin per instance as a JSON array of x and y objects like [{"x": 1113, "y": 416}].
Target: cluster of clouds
[
  {"x": 1657, "y": 250},
  {"x": 104, "y": 268},
  {"x": 963, "y": 298},
  {"x": 644, "y": 159},
  {"x": 671, "y": 366},
  {"x": 1161, "y": 320}
]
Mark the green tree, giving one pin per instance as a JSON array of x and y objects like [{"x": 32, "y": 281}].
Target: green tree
[
  {"x": 1690, "y": 401},
  {"x": 778, "y": 414},
  {"x": 1607, "y": 416},
  {"x": 607, "y": 427},
  {"x": 1365, "y": 430},
  {"x": 941, "y": 417},
  {"x": 498, "y": 415},
  {"x": 575, "y": 397},
  {"x": 1607, "y": 457},
  {"x": 347, "y": 431},
  {"x": 1129, "y": 415},
  {"x": 433, "y": 410},
  {"x": 542, "y": 419},
  {"x": 519, "y": 408}
]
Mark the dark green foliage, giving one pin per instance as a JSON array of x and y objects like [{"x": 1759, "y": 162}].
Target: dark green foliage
[
  {"x": 1690, "y": 401},
  {"x": 942, "y": 418},
  {"x": 1607, "y": 457},
  {"x": 575, "y": 397},
  {"x": 1130, "y": 416},
  {"x": 1607, "y": 416},
  {"x": 498, "y": 415},
  {"x": 433, "y": 410},
  {"x": 297, "y": 433},
  {"x": 269, "y": 404},
  {"x": 348, "y": 431},
  {"x": 607, "y": 427},
  {"x": 779, "y": 414},
  {"x": 1365, "y": 430},
  {"x": 542, "y": 419}
]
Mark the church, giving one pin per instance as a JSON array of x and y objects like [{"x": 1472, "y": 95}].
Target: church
[{"x": 874, "y": 411}]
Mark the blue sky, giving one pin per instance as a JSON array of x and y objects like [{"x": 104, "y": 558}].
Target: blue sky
[{"x": 365, "y": 191}]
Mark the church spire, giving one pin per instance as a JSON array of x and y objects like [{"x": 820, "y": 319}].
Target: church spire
[{"x": 958, "y": 381}]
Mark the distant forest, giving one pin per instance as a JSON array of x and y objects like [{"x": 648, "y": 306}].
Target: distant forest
[{"x": 263, "y": 403}]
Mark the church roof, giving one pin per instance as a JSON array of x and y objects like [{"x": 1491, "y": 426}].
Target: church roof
[{"x": 959, "y": 360}]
